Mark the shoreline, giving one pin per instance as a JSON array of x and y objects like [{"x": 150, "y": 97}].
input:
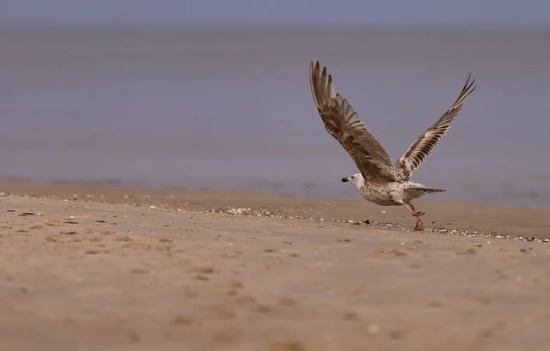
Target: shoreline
[{"x": 440, "y": 215}]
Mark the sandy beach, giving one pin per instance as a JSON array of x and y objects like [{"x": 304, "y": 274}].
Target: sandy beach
[{"x": 87, "y": 268}]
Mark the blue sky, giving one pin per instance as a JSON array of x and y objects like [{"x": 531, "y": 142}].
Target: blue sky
[{"x": 243, "y": 12}]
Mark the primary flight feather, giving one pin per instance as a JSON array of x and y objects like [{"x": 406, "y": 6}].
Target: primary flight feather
[{"x": 380, "y": 181}]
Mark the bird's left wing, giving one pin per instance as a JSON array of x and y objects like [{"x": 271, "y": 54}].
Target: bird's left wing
[{"x": 342, "y": 123}]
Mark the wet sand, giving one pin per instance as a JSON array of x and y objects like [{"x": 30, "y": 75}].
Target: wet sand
[{"x": 121, "y": 269}]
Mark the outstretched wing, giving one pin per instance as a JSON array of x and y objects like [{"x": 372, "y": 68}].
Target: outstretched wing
[
  {"x": 426, "y": 142},
  {"x": 342, "y": 123}
]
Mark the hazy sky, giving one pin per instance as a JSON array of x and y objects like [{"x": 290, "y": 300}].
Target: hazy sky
[{"x": 242, "y": 12}]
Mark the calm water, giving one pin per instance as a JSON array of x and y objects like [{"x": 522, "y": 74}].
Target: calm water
[{"x": 231, "y": 109}]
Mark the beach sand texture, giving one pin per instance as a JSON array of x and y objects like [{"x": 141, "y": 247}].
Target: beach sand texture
[{"x": 121, "y": 269}]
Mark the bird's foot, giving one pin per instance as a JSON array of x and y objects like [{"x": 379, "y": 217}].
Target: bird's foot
[
  {"x": 419, "y": 214},
  {"x": 419, "y": 227}
]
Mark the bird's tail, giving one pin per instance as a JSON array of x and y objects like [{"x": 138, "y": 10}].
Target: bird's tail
[{"x": 431, "y": 191}]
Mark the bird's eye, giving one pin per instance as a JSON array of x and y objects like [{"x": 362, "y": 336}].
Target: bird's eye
[{"x": 352, "y": 177}]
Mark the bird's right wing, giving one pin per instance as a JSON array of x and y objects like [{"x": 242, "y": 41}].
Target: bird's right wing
[
  {"x": 427, "y": 141},
  {"x": 342, "y": 123}
]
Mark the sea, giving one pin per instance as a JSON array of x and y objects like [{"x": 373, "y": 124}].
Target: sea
[{"x": 231, "y": 109}]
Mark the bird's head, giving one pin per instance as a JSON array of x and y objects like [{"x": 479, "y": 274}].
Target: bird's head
[{"x": 355, "y": 179}]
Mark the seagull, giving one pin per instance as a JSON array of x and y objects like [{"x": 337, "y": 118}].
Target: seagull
[{"x": 380, "y": 180}]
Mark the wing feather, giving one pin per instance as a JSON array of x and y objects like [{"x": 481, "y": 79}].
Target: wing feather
[
  {"x": 427, "y": 141},
  {"x": 341, "y": 121}
]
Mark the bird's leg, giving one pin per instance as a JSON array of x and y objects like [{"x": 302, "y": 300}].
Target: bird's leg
[{"x": 419, "y": 225}]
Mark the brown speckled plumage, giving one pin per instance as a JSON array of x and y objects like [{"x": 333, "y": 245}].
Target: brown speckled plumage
[{"x": 381, "y": 181}]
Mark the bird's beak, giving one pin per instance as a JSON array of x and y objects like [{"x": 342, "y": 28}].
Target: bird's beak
[{"x": 345, "y": 180}]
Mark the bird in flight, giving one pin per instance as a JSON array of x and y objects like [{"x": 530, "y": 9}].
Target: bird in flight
[{"x": 380, "y": 180}]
